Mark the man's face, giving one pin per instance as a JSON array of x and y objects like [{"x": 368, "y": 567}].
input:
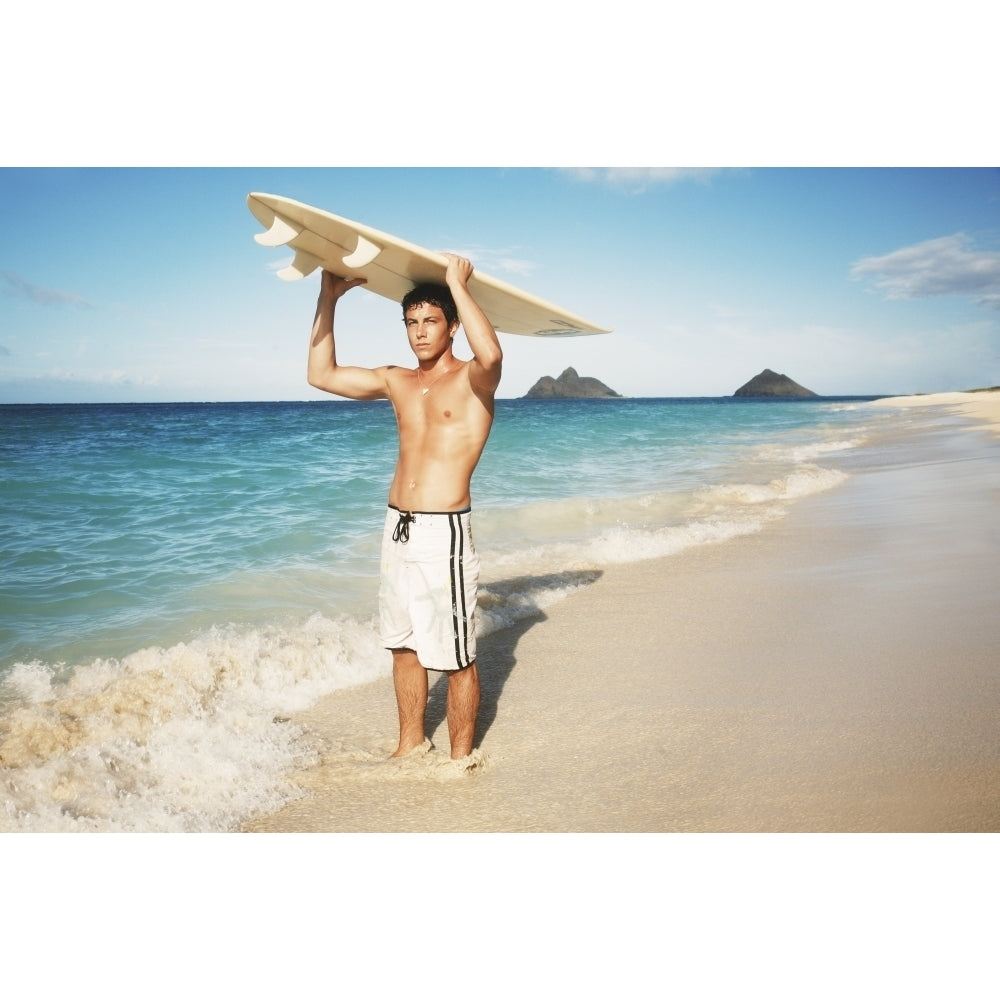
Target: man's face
[{"x": 427, "y": 330}]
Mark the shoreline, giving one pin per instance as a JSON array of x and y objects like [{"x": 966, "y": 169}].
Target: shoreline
[
  {"x": 981, "y": 405},
  {"x": 833, "y": 672}
]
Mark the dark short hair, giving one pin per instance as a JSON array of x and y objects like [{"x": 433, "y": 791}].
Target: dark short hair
[{"x": 431, "y": 294}]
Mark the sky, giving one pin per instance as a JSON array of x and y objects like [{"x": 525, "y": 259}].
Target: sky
[
  {"x": 815, "y": 191},
  {"x": 145, "y": 284}
]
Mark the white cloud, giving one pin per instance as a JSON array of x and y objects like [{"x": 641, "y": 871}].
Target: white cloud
[{"x": 944, "y": 266}]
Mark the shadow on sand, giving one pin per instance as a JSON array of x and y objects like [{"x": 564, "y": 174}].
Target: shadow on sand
[{"x": 496, "y": 651}]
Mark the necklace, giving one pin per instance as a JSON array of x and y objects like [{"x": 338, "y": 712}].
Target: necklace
[{"x": 424, "y": 389}]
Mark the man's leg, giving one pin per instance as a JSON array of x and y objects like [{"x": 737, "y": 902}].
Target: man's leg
[
  {"x": 410, "y": 680},
  {"x": 463, "y": 707}
]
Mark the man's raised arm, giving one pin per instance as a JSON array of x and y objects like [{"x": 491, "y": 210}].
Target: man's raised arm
[
  {"x": 324, "y": 372},
  {"x": 487, "y": 360}
]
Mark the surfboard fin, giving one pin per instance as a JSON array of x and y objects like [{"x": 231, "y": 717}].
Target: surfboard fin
[
  {"x": 280, "y": 233},
  {"x": 364, "y": 253},
  {"x": 304, "y": 263}
]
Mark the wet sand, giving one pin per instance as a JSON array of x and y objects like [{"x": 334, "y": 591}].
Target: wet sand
[{"x": 837, "y": 671}]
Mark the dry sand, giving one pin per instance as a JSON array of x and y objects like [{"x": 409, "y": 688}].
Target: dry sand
[
  {"x": 983, "y": 405},
  {"x": 836, "y": 672}
]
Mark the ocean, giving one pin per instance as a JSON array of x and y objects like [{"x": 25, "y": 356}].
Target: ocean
[{"x": 180, "y": 579}]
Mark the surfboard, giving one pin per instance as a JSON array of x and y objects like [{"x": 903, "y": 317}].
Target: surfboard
[{"x": 392, "y": 266}]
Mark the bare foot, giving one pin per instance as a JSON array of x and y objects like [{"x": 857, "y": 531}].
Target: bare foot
[
  {"x": 425, "y": 747},
  {"x": 475, "y": 761}
]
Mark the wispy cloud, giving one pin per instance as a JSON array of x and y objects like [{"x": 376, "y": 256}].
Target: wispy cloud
[
  {"x": 502, "y": 262},
  {"x": 111, "y": 377},
  {"x": 944, "y": 266},
  {"x": 66, "y": 385},
  {"x": 498, "y": 261},
  {"x": 4, "y": 351},
  {"x": 21, "y": 289},
  {"x": 639, "y": 179}
]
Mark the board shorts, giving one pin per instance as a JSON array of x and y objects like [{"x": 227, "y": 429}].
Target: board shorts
[{"x": 428, "y": 586}]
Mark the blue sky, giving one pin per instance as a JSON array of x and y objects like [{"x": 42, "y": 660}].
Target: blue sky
[
  {"x": 146, "y": 284},
  {"x": 128, "y": 269}
]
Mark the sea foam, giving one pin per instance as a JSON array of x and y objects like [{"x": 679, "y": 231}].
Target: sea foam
[{"x": 193, "y": 737}]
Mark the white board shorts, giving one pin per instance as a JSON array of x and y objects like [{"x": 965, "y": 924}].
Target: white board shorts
[{"x": 428, "y": 586}]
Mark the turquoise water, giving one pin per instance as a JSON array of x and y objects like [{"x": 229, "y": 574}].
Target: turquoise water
[{"x": 178, "y": 575}]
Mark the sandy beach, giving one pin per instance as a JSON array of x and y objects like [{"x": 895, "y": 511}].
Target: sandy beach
[{"x": 836, "y": 671}]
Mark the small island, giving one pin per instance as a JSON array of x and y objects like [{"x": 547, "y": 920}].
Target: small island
[
  {"x": 771, "y": 385},
  {"x": 570, "y": 385}
]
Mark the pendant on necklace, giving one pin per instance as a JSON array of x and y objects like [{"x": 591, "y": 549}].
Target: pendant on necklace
[{"x": 424, "y": 389}]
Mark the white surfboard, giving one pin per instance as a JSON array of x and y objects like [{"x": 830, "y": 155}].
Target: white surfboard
[{"x": 392, "y": 266}]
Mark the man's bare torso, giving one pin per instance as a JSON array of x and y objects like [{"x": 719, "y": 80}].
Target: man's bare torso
[{"x": 442, "y": 433}]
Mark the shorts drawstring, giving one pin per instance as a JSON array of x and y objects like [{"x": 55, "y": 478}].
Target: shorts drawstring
[{"x": 402, "y": 532}]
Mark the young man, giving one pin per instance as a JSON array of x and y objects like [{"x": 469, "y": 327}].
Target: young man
[{"x": 444, "y": 412}]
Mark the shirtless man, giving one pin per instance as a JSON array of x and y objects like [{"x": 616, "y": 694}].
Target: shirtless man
[{"x": 444, "y": 412}]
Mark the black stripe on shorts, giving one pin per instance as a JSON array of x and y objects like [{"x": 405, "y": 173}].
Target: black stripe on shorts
[{"x": 460, "y": 621}]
